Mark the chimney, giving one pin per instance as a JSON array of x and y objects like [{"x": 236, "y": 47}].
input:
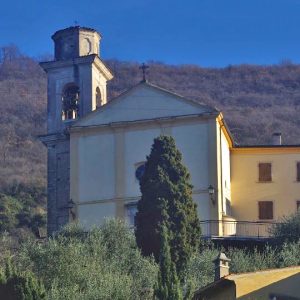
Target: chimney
[
  {"x": 221, "y": 266},
  {"x": 276, "y": 139}
]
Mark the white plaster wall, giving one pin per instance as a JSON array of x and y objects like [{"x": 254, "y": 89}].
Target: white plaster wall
[
  {"x": 137, "y": 146},
  {"x": 191, "y": 140},
  {"x": 202, "y": 200},
  {"x": 143, "y": 103},
  {"x": 226, "y": 182},
  {"x": 95, "y": 214},
  {"x": 96, "y": 167}
]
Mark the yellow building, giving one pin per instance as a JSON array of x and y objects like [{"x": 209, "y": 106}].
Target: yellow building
[
  {"x": 265, "y": 181},
  {"x": 97, "y": 149}
]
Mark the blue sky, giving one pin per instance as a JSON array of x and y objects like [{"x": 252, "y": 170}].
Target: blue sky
[{"x": 213, "y": 33}]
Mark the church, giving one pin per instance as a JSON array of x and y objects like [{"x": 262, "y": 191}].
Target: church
[{"x": 97, "y": 149}]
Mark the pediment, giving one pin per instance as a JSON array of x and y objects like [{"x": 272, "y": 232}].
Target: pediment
[{"x": 143, "y": 102}]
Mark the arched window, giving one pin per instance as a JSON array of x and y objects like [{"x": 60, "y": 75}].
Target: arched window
[
  {"x": 98, "y": 98},
  {"x": 140, "y": 170},
  {"x": 70, "y": 102}
]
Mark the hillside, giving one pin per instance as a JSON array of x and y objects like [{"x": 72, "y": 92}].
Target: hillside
[{"x": 256, "y": 101}]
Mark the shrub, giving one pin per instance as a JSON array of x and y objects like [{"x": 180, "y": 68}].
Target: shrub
[
  {"x": 22, "y": 286},
  {"x": 288, "y": 230},
  {"x": 103, "y": 263}
]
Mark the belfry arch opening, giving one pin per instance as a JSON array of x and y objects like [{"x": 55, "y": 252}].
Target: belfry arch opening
[
  {"x": 70, "y": 102},
  {"x": 98, "y": 97}
]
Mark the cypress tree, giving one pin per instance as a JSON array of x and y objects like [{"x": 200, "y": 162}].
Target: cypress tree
[
  {"x": 168, "y": 286},
  {"x": 167, "y": 199}
]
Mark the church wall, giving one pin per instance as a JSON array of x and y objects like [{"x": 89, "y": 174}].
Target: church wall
[
  {"x": 105, "y": 161},
  {"x": 98, "y": 81},
  {"x": 143, "y": 103},
  {"x": 95, "y": 214},
  {"x": 57, "y": 79},
  {"x": 247, "y": 191},
  {"x": 96, "y": 167},
  {"x": 58, "y": 184},
  {"x": 81, "y": 75}
]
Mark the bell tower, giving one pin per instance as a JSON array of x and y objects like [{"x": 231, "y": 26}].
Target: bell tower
[{"x": 76, "y": 86}]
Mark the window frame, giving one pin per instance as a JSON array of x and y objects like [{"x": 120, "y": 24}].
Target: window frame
[
  {"x": 297, "y": 206},
  {"x": 271, "y": 175},
  {"x": 228, "y": 207},
  {"x": 259, "y": 212},
  {"x": 297, "y": 173},
  {"x": 127, "y": 209},
  {"x": 97, "y": 93}
]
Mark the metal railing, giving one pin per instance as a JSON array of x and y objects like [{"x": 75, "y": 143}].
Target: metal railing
[{"x": 241, "y": 229}]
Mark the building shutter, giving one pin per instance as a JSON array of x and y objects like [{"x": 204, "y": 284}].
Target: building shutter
[
  {"x": 265, "y": 172},
  {"x": 265, "y": 209},
  {"x": 298, "y": 206},
  {"x": 298, "y": 171}
]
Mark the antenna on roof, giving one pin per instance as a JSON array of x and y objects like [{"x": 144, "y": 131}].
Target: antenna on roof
[{"x": 76, "y": 23}]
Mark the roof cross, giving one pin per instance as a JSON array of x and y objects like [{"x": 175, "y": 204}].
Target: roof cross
[{"x": 144, "y": 67}]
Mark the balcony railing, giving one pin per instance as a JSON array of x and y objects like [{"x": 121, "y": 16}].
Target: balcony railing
[{"x": 240, "y": 229}]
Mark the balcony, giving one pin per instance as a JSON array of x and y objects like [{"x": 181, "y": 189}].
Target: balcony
[{"x": 236, "y": 229}]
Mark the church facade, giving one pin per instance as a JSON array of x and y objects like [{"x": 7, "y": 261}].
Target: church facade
[{"x": 97, "y": 149}]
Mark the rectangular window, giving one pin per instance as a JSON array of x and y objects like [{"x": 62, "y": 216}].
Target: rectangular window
[
  {"x": 298, "y": 206},
  {"x": 265, "y": 210},
  {"x": 228, "y": 208},
  {"x": 131, "y": 210},
  {"x": 298, "y": 171},
  {"x": 265, "y": 172}
]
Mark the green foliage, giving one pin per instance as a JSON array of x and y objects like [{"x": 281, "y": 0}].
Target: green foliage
[
  {"x": 16, "y": 285},
  {"x": 9, "y": 208},
  {"x": 103, "y": 263},
  {"x": 288, "y": 229},
  {"x": 22, "y": 207},
  {"x": 167, "y": 198},
  {"x": 201, "y": 267},
  {"x": 168, "y": 286}
]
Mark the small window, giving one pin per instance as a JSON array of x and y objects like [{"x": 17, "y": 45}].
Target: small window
[
  {"x": 131, "y": 210},
  {"x": 228, "y": 208},
  {"x": 98, "y": 98},
  {"x": 265, "y": 172},
  {"x": 298, "y": 206},
  {"x": 298, "y": 171},
  {"x": 265, "y": 210},
  {"x": 139, "y": 171}
]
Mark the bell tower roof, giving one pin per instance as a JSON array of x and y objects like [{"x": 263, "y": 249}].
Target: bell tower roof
[{"x": 76, "y": 41}]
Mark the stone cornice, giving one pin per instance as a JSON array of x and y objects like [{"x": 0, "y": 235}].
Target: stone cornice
[
  {"x": 88, "y": 59},
  {"x": 161, "y": 120},
  {"x": 52, "y": 139}
]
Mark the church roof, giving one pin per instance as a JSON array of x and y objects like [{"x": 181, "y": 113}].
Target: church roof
[{"x": 145, "y": 101}]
